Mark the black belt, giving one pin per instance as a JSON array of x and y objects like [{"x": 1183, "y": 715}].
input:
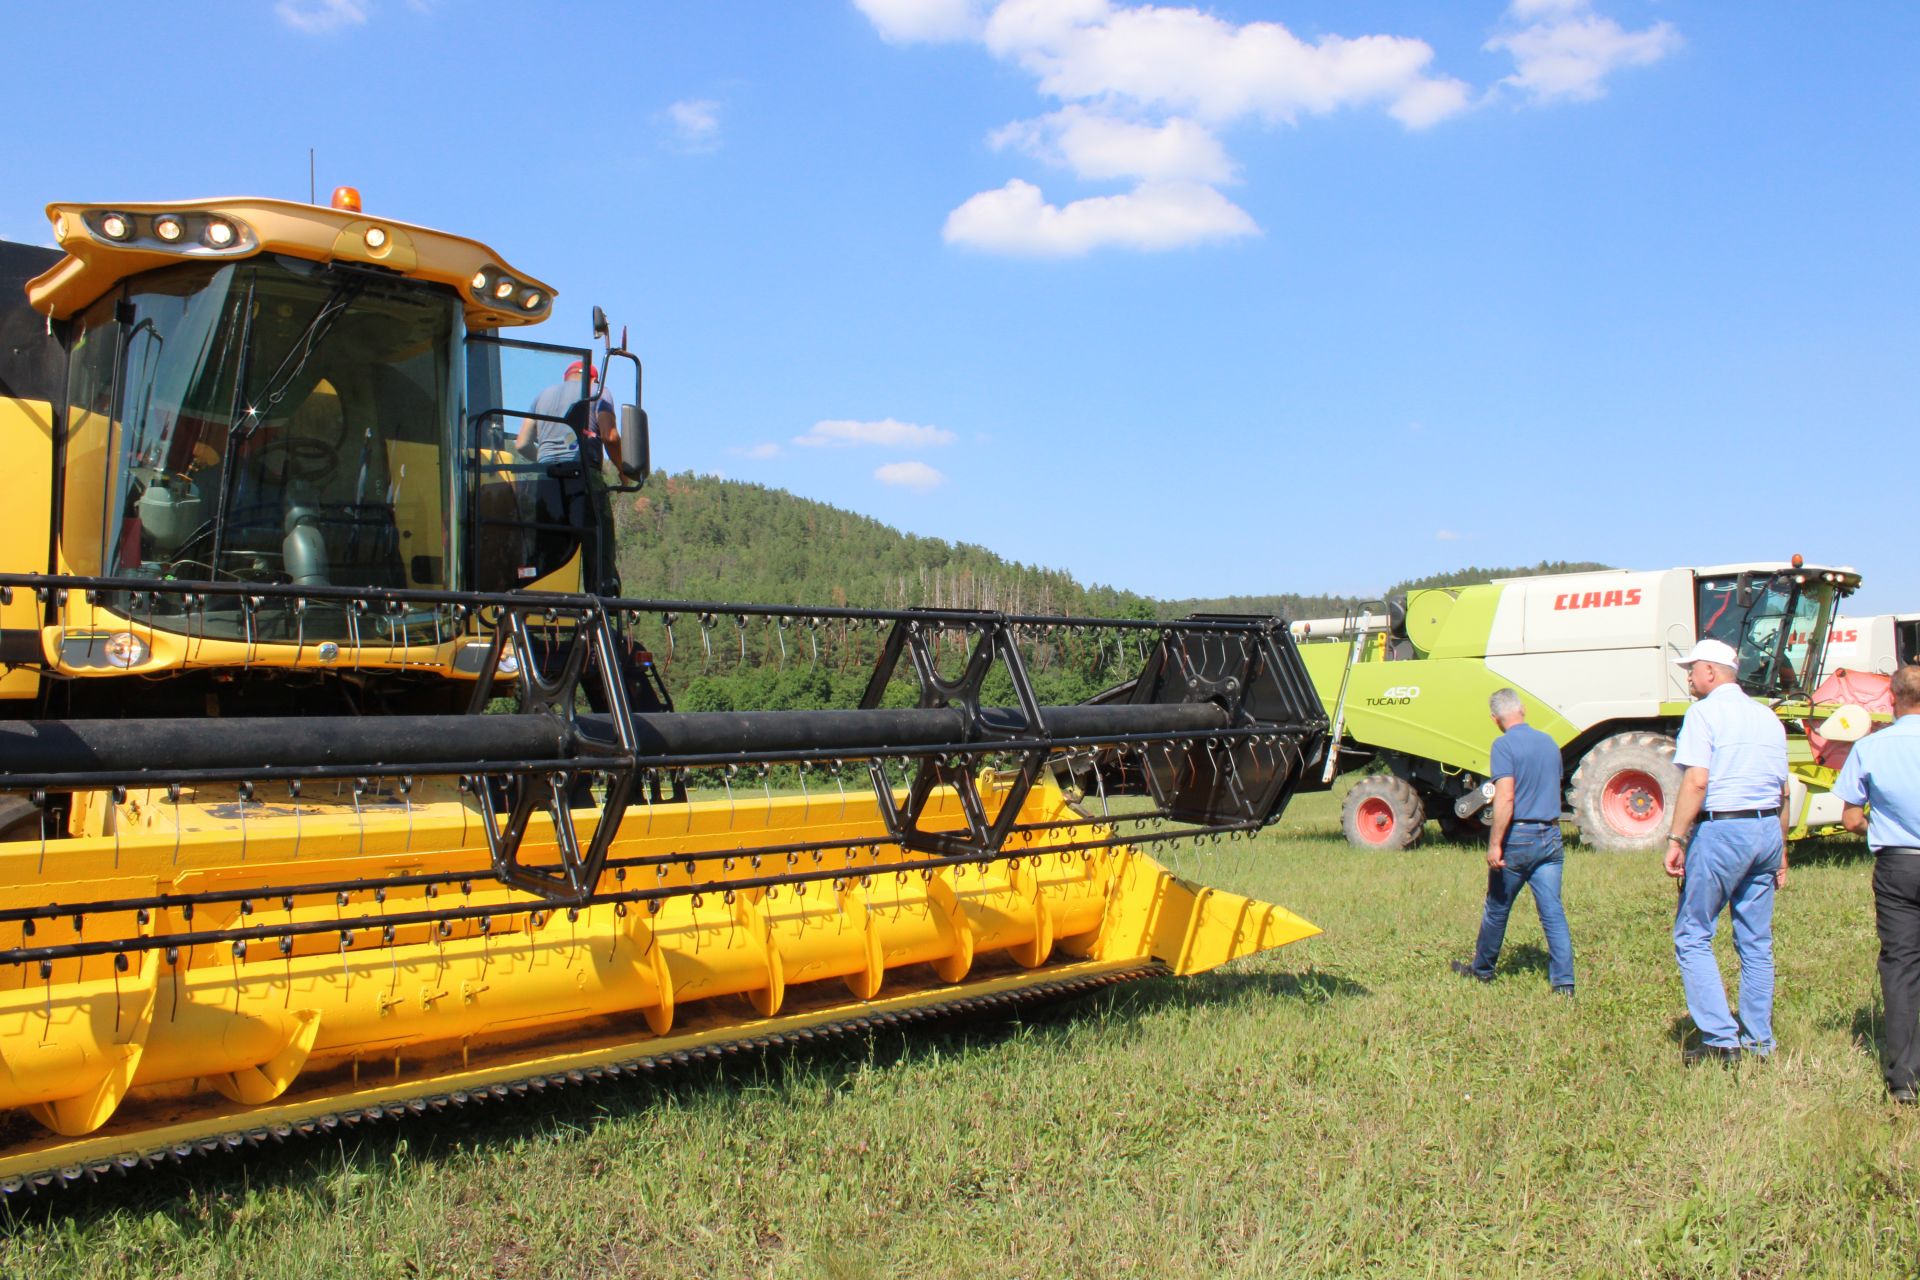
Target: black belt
[
  {"x": 1718, "y": 815},
  {"x": 1536, "y": 822}
]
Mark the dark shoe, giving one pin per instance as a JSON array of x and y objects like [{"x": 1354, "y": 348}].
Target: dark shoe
[
  {"x": 1465, "y": 970},
  {"x": 1724, "y": 1054},
  {"x": 1564, "y": 991},
  {"x": 1904, "y": 1095}
]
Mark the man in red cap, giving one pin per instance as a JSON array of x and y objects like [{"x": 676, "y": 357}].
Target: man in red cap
[
  {"x": 560, "y": 441},
  {"x": 570, "y": 430}
]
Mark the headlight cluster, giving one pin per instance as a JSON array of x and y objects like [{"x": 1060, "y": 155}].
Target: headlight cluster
[
  {"x": 120, "y": 651},
  {"x": 196, "y": 233},
  {"x": 496, "y": 288}
]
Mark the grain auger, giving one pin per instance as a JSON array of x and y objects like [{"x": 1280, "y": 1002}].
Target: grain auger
[{"x": 332, "y": 792}]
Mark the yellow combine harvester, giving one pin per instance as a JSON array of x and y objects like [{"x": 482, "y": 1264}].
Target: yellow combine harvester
[{"x": 336, "y": 784}]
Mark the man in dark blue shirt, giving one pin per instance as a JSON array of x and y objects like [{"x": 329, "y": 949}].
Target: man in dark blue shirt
[{"x": 1523, "y": 847}]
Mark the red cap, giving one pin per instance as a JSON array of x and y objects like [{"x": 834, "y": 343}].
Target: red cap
[{"x": 573, "y": 371}]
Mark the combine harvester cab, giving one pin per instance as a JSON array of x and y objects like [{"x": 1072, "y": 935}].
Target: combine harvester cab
[
  {"x": 338, "y": 782},
  {"x": 1873, "y": 644},
  {"x": 1592, "y": 656}
]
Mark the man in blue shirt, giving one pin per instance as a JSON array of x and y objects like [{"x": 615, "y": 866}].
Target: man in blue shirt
[
  {"x": 1880, "y": 786},
  {"x": 1728, "y": 850},
  {"x": 1523, "y": 848}
]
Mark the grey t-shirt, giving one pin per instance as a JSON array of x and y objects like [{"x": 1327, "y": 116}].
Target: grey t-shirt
[{"x": 555, "y": 441}]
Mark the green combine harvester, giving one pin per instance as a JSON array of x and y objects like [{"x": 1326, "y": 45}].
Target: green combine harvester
[{"x": 1592, "y": 656}]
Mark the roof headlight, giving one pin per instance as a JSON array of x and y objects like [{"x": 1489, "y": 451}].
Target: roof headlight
[
  {"x": 116, "y": 226},
  {"x": 533, "y": 300},
  {"x": 125, "y": 650},
  {"x": 169, "y": 228},
  {"x": 220, "y": 233},
  {"x": 479, "y": 282},
  {"x": 376, "y": 238},
  {"x": 503, "y": 288}
]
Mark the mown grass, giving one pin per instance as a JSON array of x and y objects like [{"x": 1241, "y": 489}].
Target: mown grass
[{"x": 1345, "y": 1106}]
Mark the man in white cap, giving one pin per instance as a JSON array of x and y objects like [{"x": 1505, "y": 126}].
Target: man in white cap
[
  {"x": 1880, "y": 786},
  {"x": 1728, "y": 850}
]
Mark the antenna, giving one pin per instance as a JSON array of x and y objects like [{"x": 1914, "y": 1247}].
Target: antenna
[{"x": 313, "y": 192}]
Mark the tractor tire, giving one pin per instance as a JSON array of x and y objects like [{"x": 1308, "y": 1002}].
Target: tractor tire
[
  {"x": 19, "y": 819},
  {"x": 1383, "y": 811},
  {"x": 1624, "y": 790}
]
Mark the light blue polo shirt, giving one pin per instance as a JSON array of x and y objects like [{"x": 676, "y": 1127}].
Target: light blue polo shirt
[
  {"x": 1883, "y": 773},
  {"x": 1741, "y": 744}
]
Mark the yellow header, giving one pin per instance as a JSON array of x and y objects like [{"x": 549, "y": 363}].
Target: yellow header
[{"x": 106, "y": 243}]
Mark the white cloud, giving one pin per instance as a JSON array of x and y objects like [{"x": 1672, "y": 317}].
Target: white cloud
[
  {"x": 1566, "y": 51},
  {"x": 909, "y": 475},
  {"x": 1098, "y": 146},
  {"x": 1190, "y": 62},
  {"x": 1145, "y": 91},
  {"x": 318, "y": 17},
  {"x": 906, "y": 21},
  {"x": 1446, "y": 535},
  {"x": 1429, "y": 102},
  {"x": 1531, "y": 10},
  {"x": 1016, "y": 219},
  {"x": 844, "y": 432},
  {"x": 695, "y": 124},
  {"x": 765, "y": 450}
]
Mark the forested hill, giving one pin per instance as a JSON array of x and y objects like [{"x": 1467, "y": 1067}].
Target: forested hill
[
  {"x": 1295, "y": 606},
  {"x": 689, "y": 537}
]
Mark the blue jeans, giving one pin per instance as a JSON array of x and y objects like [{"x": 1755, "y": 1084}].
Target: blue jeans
[
  {"x": 1730, "y": 866},
  {"x": 1534, "y": 859}
]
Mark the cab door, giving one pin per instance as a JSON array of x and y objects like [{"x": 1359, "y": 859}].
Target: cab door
[{"x": 527, "y": 450}]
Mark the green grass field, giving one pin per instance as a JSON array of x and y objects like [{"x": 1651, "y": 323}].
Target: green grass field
[{"x": 1343, "y": 1106}]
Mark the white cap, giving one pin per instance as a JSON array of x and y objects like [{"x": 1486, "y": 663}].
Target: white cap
[{"x": 1711, "y": 651}]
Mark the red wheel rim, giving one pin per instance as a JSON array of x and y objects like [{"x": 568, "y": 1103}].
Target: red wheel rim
[
  {"x": 1631, "y": 803},
  {"x": 1374, "y": 821}
]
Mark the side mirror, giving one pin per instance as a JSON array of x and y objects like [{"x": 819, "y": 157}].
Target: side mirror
[
  {"x": 600, "y": 327},
  {"x": 636, "y": 453}
]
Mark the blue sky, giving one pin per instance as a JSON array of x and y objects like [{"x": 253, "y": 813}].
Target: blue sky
[{"x": 1243, "y": 297}]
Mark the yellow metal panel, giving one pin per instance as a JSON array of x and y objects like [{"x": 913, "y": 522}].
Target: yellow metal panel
[
  {"x": 26, "y": 441},
  {"x": 94, "y": 265},
  {"x": 302, "y": 1016}
]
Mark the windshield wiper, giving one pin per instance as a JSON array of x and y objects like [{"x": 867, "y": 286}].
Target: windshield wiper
[
  {"x": 245, "y": 421},
  {"x": 304, "y": 345}
]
